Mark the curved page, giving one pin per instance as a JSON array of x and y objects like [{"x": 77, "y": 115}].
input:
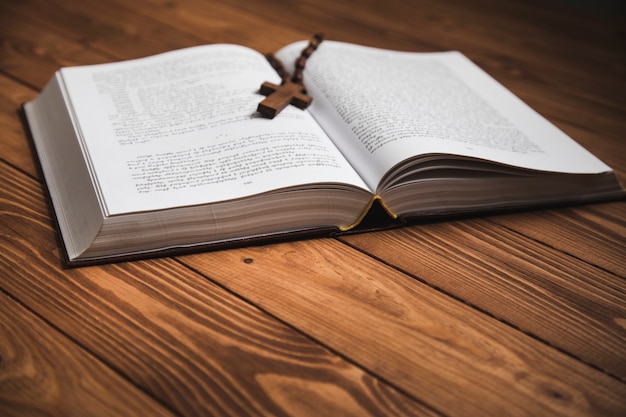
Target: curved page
[{"x": 381, "y": 107}]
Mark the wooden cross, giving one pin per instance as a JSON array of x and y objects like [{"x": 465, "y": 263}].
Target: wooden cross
[
  {"x": 279, "y": 96},
  {"x": 291, "y": 91}
]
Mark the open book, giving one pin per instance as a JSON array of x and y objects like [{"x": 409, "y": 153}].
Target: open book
[{"x": 167, "y": 154}]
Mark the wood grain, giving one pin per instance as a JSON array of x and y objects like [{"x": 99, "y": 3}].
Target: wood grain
[
  {"x": 14, "y": 148},
  {"x": 595, "y": 233},
  {"x": 177, "y": 336},
  {"x": 32, "y": 51},
  {"x": 519, "y": 314},
  {"x": 540, "y": 290},
  {"x": 450, "y": 355},
  {"x": 41, "y": 370}
]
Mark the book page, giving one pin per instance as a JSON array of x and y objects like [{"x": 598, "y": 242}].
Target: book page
[
  {"x": 382, "y": 107},
  {"x": 181, "y": 129}
]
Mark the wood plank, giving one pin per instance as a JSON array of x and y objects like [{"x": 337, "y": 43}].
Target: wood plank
[
  {"x": 534, "y": 287},
  {"x": 123, "y": 30},
  {"x": 44, "y": 373},
  {"x": 594, "y": 233},
  {"x": 217, "y": 22},
  {"x": 32, "y": 52},
  {"x": 101, "y": 26},
  {"x": 176, "y": 335},
  {"x": 326, "y": 314},
  {"x": 438, "y": 349},
  {"x": 535, "y": 33},
  {"x": 14, "y": 148}
]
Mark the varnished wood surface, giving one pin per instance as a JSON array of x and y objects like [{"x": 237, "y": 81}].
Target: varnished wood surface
[{"x": 521, "y": 314}]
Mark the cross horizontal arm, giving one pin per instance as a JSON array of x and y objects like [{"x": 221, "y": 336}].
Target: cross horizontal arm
[{"x": 279, "y": 96}]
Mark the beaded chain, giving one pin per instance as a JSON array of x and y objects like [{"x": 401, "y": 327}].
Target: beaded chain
[{"x": 291, "y": 90}]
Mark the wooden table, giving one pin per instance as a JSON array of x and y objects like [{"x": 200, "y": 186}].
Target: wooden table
[{"x": 518, "y": 314}]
